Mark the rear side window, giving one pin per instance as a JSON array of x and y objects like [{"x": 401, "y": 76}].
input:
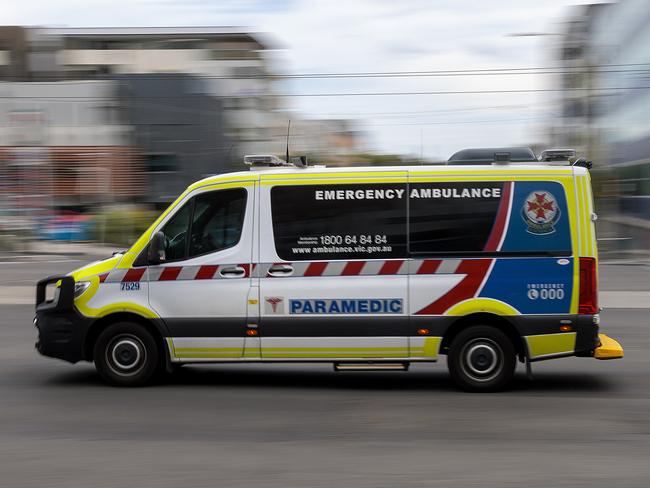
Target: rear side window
[
  {"x": 457, "y": 217},
  {"x": 500, "y": 217},
  {"x": 364, "y": 221}
]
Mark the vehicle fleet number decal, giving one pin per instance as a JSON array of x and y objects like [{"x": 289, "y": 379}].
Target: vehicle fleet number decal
[{"x": 130, "y": 286}]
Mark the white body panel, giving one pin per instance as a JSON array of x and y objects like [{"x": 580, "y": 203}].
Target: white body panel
[
  {"x": 331, "y": 285},
  {"x": 221, "y": 299},
  {"x": 424, "y": 289}
]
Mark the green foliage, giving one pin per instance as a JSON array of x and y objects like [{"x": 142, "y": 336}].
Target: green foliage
[{"x": 121, "y": 226}]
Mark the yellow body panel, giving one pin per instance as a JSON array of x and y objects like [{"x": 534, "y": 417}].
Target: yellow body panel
[
  {"x": 475, "y": 305},
  {"x": 82, "y": 304},
  {"x": 548, "y": 345},
  {"x": 609, "y": 348},
  {"x": 96, "y": 268}
]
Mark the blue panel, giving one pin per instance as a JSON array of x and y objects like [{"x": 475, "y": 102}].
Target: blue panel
[
  {"x": 539, "y": 219},
  {"x": 532, "y": 285}
]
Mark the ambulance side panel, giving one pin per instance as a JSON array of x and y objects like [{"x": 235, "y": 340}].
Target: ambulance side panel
[
  {"x": 502, "y": 243},
  {"x": 333, "y": 270}
]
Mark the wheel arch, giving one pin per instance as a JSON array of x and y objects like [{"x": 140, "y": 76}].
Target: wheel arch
[
  {"x": 155, "y": 327},
  {"x": 482, "y": 318}
]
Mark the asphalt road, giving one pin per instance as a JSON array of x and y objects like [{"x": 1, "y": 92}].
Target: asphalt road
[{"x": 581, "y": 422}]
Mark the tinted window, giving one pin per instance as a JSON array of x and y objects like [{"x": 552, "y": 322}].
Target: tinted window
[
  {"x": 523, "y": 217},
  {"x": 217, "y": 221},
  {"x": 175, "y": 231},
  {"x": 456, "y": 217},
  {"x": 362, "y": 221}
]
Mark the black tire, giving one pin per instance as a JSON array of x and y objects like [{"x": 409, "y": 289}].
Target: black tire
[
  {"x": 481, "y": 359},
  {"x": 126, "y": 354}
]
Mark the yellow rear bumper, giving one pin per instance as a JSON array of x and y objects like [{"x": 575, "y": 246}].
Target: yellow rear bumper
[{"x": 608, "y": 349}]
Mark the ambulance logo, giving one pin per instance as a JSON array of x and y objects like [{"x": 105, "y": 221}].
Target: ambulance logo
[
  {"x": 274, "y": 305},
  {"x": 540, "y": 212}
]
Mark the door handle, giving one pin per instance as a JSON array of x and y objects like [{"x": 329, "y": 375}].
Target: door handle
[
  {"x": 280, "y": 270},
  {"x": 232, "y": 272}
]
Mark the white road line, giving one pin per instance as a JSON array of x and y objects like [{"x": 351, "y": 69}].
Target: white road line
[{"x": 37, "y": 261}]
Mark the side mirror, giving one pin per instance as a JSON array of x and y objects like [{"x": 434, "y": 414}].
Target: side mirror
[{"x": 156, "y": 252}]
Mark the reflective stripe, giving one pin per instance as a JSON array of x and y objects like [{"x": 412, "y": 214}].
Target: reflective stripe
[
  {"x": 206, "y": 348},
  {"x": 549, "y": 345},
  {"x": 300, "y": 269}
]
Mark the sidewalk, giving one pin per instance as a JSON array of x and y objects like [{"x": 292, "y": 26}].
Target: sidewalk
[{"x": 59, "y": 248}]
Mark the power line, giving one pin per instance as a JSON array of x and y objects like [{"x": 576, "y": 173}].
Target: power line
[
  {"x": 464, "y": 122},
  {"x": 466, "y": 92},
  {"x": 352, "y": 94},
  {"x": 421, "y": 113},
  {"x": 375, "y": 74}
]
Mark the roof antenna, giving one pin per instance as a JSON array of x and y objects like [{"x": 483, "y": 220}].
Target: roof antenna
[{"x": 288, "y": 127}]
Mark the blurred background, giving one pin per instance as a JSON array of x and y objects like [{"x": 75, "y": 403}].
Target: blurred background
[
  {"x": 102, "y": 124},
  {"x": 110, "y": 108}
]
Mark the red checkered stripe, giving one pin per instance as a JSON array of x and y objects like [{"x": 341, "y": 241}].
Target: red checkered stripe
[
  {"x": 173, "y": 273},
  {"x": 365, "y": 268},
  {"x": 299, "y": 269}
]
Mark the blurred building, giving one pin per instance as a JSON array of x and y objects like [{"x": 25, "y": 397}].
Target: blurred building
[
  {"x": 178, "y": 130},
  {"x": 64, "y": 144},
  {"x": 606, "y": 101},
  {"x": 578, "y": 76},
  {"x": 334, "y": 141},
  {"x": 236, "y": 65},
  {"x": 91, "y": 117}
]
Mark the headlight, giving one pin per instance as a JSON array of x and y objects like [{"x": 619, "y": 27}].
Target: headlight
[{"x": 80, "y": 287}]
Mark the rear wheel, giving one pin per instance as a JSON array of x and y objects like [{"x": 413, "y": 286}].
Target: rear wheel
[
  {"x": 481, "y": 359},
  {"x": 126, "y": 354}
]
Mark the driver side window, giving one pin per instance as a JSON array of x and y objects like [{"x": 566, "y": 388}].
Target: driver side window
[
  {"x": 175, "y": 231},
  {"x": 209, "y": 222},
  {"x": 217, "y": 220}
]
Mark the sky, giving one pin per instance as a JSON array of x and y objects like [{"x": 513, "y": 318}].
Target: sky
[{"x": 353, "y": 36}]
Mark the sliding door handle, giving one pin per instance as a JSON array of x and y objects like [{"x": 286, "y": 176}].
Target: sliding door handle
[{"x": 280, "y": 270}]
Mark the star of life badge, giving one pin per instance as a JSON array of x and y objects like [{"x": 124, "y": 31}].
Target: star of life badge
[{"x": 540, "y": 212}]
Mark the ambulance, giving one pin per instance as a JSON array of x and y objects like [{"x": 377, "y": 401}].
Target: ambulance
[{"x": 487, "y": 260}]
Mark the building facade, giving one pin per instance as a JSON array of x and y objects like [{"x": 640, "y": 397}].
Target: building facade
[
  {"x": 605, "y": 83},
  {"x": 65, "y": 145},
  {"x": 237, "y": 66}
]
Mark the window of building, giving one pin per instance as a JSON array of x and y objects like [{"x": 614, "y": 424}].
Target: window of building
[{"x": 159, "y": 163}]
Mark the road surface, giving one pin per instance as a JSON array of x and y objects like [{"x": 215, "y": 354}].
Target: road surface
[{"x": 581, "y": 422}]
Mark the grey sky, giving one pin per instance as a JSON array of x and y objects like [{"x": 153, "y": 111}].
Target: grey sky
[{"x": 374, "y": 35}]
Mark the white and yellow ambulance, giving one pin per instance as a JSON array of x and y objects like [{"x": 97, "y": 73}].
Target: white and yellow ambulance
[{"x": 488, "y": 259}]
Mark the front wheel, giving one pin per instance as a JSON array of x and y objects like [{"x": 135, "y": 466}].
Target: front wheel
[
  {"x": 481, "y": 359},
  {"x": 126, "y": 354}
]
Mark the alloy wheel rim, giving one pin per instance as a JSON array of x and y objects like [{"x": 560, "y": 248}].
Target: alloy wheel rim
[{"x": 126, "y": 355}]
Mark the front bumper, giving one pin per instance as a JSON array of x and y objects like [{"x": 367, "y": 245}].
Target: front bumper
[
  {"x": 608, "y": 348},
  {"x": 61, "y": 328}
]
